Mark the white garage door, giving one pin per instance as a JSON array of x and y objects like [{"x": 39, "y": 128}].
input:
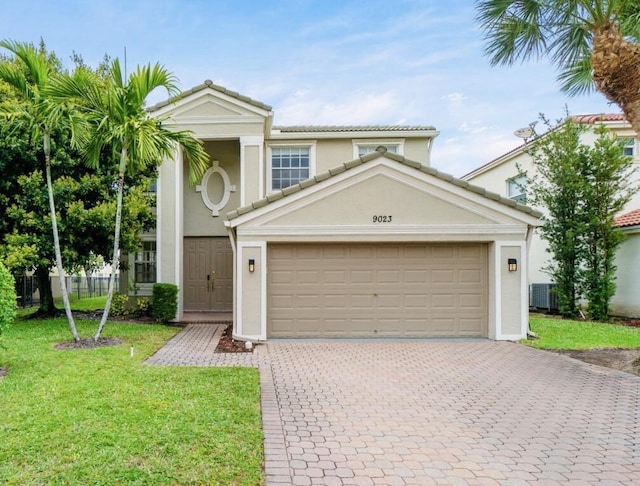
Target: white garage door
[{"x": 384, "y": 290}]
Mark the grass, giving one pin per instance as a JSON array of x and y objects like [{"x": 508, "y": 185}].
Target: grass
[
  {"x": 100, "y": 416},
  {"x": 555, "y": 333}
]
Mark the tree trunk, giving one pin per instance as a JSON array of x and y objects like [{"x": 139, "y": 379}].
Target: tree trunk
[
  {"x": 47, "y": 306},
  {"x": 115, "y": 260},
  {"x": 56, "y": 240},
  {"x": 616, "y": 71}
]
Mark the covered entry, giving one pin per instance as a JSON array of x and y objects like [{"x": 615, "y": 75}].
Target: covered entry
[{"x": 377, "y": 290}]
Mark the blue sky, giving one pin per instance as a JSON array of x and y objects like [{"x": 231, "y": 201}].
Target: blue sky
[{"x": 414, "y": 62}]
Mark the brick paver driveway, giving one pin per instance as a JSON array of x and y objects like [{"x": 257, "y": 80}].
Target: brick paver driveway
[{"x": 440, "y": 412}]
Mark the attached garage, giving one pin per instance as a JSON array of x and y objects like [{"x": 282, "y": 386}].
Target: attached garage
[
  {"x": 377, "y": 290},
  {"x": 381, "y": 247}
]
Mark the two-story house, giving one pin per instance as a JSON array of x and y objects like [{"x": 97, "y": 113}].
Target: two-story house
[
  {"x": 331, "y": 231},
  {"x": 505, "y": 175}
]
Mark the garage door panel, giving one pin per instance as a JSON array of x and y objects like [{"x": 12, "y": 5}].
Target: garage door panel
[
  {"x": 470, "y": 276},
  {"x": 470, "y": 326},
  {"x": 439, "y": 276},
  {"x": 367, "y": 290},
  {"x": 361, "y": 276},
  {"x": 471, "y": 301}
]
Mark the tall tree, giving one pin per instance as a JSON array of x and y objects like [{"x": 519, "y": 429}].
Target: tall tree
[
  {"x": 594, "y": 43},
  {"x": 557, "y": 186},
  {"x": 85, "y": 203},
  {"x": 118, "y": 121},
  {"x": 581, "y": 188},
  {"x": 30, "y": 76},
  {"x": 608, "y": 188}
]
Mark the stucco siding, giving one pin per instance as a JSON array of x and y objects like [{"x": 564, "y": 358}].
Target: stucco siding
[
  {"x": 199, "y": 220},
  {"x": 626, "y": 301}
]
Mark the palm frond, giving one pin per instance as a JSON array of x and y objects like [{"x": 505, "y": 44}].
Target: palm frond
[
  {"x": 35, "y": 62},
  {"x": 576, "y": 79},
  {"x": 14, "y": 77},
  {"x": 514, "y": 29}
]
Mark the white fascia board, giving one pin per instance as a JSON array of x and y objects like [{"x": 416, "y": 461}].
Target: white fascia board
[
  {"x": 479, "y": 232},
  {"x": 276, "y": 135}
]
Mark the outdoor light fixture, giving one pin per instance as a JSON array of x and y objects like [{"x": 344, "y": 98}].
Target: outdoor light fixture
[
  {"x": 252, "y": 265},
  {"x": 513, "y": 264}
]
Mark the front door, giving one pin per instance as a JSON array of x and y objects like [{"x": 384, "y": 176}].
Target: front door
[{"x": 208, "y": 274}]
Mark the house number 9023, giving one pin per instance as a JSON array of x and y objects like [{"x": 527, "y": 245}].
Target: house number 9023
[{"x": 382, "y": 219}]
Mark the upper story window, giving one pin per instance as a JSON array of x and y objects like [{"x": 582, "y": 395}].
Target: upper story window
[
  {"x": 517, "y": 188},
  {"x": 364, "y": 147},
  {"x": 628, "y": 146},
  {"x": 145, "y": 263},
  {"x": 290, "y": 165}
]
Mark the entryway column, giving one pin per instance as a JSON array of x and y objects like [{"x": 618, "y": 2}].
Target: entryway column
[{"x": 251, "y": 169}]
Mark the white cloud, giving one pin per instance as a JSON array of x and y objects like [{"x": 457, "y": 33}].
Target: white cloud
[{"x": 455, "y": 100}]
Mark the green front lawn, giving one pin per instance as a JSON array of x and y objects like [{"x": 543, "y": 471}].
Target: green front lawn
[
  {"x": 99, "y": 416},
  {"x": 557, "y": 333}
]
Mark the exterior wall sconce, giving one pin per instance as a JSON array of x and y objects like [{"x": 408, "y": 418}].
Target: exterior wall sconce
[
  {"x": 512, "y": 264},
  {"x": 252, "y": 265}
]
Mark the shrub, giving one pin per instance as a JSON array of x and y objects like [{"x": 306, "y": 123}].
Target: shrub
[
  {"x": 8, "y": 298},
  {"x": 119, "y": 304},
  {"x": 143, "y": 306},
  {"x": 165, "y": 301}
]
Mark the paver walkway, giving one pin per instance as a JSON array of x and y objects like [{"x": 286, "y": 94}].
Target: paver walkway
[{"x": 438, "y": 412}]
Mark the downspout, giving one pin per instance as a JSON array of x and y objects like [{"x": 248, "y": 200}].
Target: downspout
[
  {"x": 529, "y": 238},
  {"x": 430, "y": 146},
  {"x": 234, "y": 244}
]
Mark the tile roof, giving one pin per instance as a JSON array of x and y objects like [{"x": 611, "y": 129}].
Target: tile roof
[
  {"x": 599, "y": 117},
  {"x": 379, "y": 152},
  {"x": 350, "y": 128},
  {"x": 631, "y": 218},
  {"x": 210, "y": 84}
]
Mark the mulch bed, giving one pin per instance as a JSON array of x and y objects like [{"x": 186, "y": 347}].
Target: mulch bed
[
  {"x": 89, "y": 343},
  {"x": 229, "y": 345}
]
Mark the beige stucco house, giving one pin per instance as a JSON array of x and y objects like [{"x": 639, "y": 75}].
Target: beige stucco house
[
  {"x": 504, "y": 176},
  {"x": 331, "y": 231}
]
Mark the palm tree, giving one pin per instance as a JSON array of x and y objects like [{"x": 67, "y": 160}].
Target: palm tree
[
  {"x": 117, "y": 121},
  {"x": 30, "y": 78},
  {"x": 594, "y": 43}
]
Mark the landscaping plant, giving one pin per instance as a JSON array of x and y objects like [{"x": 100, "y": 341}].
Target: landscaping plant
[{"x": 8, "y": 300}]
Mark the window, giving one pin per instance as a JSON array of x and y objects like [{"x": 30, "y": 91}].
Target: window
[
  {"x": 363, "y": 146},
  {"x": 628, "y": 146},
  {"x": 367, "y": 149},
  {"x": 145, "y": 263},
  {"x": 289, "y": 165},
  {"x": 517, "y": 188}
]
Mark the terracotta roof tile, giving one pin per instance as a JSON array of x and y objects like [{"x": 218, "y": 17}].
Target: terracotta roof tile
[
  {"x": 599, "y": 117},
  {"x": 631, "y": 218}
]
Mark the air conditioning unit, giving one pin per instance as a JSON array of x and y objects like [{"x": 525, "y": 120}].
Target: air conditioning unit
[{"x": 542, "y": 296}]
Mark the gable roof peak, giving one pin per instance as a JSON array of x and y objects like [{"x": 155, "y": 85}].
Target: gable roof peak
[
  {"x": 208, "y": 84},
  {"x": 380, "y": 151}
]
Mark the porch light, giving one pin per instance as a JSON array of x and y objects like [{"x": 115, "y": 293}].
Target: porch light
[
  {"x": 252, "y": 265},
  {"x": 512, "y": 264}
]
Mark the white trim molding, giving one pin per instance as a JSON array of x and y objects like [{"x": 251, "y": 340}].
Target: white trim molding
[{"x": 203, "y": 188}]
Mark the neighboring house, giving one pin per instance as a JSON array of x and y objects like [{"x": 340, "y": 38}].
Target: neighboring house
[
  {"x": 331, "y": 231},
  {"x": 505, "y": 176}
]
